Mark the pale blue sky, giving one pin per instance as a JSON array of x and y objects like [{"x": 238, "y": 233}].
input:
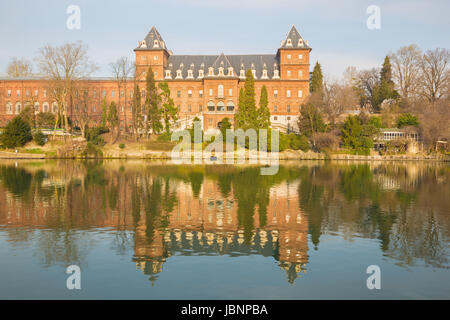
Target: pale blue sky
[{"x": 336, "y": 30}]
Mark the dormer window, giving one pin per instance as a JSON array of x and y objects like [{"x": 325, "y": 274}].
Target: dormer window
[
  {"x": 264, "y": 74},
  {"x": 289, "y": 42},
  {"x": 276, "y": 74},
  {"x": 210, "y": 71},
  {"x": 220, "y": 71},
  {"x": 230, "y": 71},
  {"x": 168, "y": 74},
  {"x": 190, "y": 74},
  {"x": 170, "y": 65},
  {"x": 201, "y": 73},
  {"x": 181, "y": 65},
  {"x": 242, "y": 74},
  {"x": 179, "y": 76},
  {"x": 155, "y": 43},
  {"x": 300, "y": 42}
]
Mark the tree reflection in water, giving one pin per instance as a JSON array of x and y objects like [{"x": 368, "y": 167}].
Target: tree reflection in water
[{"x": 156, "y": 211}]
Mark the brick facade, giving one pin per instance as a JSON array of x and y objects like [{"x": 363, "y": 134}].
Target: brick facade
[{"x": 203, "y": 86}]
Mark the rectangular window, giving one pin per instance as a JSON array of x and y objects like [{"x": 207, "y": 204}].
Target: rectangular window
[
  {"x": 300, "y": 56},
  {"x": 121, "y": 93},
  {"x": 94, "y": 108},
  {"x": 288, "y": 93},
  {"x": 18, "y": 93},
  {"x": 288, "y": 108},
  {"x": 275, "y": 93},
  {"x": 9, "y": 93},
  {"x": 27, "y": 93},
  {"x": 288, "y": 56},
  {"x": 103, "y": 93},
  {"x": 200, "y": 93},
  {"x": 289, "y": 73},
  {"x": 36, "y": 93},
  {"x": 200, "y": 108},
  {"x": 275, "y": 108},
  {"x": 178, "y": 93},
  {"x": 95, "y": 93},
  {"x": 210, "y": 92},
  {"x": 300, "y": 73},
  {"x": 189, "y": 108},
  {"x": 112, "y": 93},
  {"x": 230, "y": 92},
  {"x": 300, "y": 93},
  {"x": 189, "y": 93},
  {"x": 209, "y": 120},
  {"x": 45, "y": 93}
]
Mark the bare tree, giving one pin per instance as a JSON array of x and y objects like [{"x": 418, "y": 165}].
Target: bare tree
[
  {"x": 406, "y": 70},
  {"x": 435, "y": 74},
  {"x": 62, "y": 65},
  {"x": 82, "y": 101},
  {"x": 365, "y": 82},
  {"x": 122, "y": 69},
  {"x": 19, "y": 68},
  {"x": 336, "y": 99}
]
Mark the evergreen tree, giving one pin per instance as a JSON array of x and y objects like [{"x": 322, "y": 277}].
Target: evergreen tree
[
  {"x": 113, "y": 118},
  {"x": 247, "y": 115},
  {"x": 263, "y": 111},
  {"x": 168, "y": 110},
  {"x": 225, "y": 124},
  {"x": 104, "y": 112},
  {"x": 385, "y": 88},
  {"x": 310, "y": 120},
  {"x": 136, "y": 113},
  {"x": 16, "y": 133},
  {"x": 316, "y": 82},
  {"x": 152, "y": 101}
]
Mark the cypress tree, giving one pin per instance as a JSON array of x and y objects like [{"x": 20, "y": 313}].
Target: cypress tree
[
  {"x": 136, "y": 110},
  {"x": 247, "y": 116},
  {"x": 316, "y": 82},
  {"x": 152, "y": 100},
  {"x": 263, "y": 111},
  {"x": 104, "y": 112},
  {"x": 113, "y": 118}
]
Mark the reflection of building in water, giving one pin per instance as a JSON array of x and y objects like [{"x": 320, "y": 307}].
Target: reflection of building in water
[{"x": 209, "y": 225}]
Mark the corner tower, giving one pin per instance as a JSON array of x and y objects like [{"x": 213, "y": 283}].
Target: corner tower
[
  {"x": 151, "y": 51},
  {"x": 293, "y": 56}
]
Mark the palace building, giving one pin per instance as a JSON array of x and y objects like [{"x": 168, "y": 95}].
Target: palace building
[{"x": 202, "y": 86}]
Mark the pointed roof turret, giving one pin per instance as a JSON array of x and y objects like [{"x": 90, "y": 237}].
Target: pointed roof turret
[
  {"x": 294, "y": 40},
  {"x": 152, "y": 41}
]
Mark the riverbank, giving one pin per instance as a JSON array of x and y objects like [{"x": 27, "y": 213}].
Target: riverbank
[{"x": 116, "y": 153}]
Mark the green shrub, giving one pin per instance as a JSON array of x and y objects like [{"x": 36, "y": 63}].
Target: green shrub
[
  {"x": 39, "y": 138},
  {"x": 407, "y": 119},
  {"x": 121, "y": 146},
  {"x": 93, "y": 135},
  {"x": 299, "y": 142},
  {"x": 166, "y": 136},
  {"x": 16, "y": 133}
]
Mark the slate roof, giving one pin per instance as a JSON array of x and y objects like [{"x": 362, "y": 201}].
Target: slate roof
[
  {"x": 294, "y": 40},
  {"x": 152, "y": 41},
  {"x": 258, "y": 62}
]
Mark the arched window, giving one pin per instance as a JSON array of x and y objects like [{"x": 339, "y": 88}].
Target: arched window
[
  {"x": 230, "y": 106},
  {"x": 210, "y": 106},
  {"x": 9, "y": 108},
  {"x": 220, "y": 91},
  {"x": 220, "y": 106},
  {"x": 36, "y": 107},
  {"x": 45, "y": 107},
  {"x": 18, "y": 107},
  {"x": 54, "y": 107}
]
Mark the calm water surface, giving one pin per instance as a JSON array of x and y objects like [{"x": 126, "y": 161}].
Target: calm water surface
[{"x": 143, "y": 230}]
